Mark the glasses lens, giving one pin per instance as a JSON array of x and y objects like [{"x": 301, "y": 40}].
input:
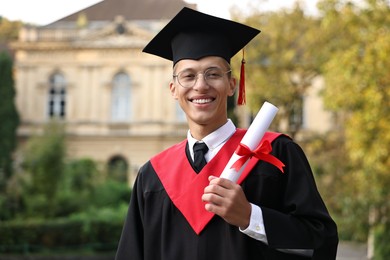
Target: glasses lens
[
  {"x": 187, "y": 78},
  {"x": 212, "y": 76}
]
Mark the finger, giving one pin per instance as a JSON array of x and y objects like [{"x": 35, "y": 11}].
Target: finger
[
  {"x": 215, "y": 188},
  {"x": 222, "y": 182},
  {"x": 216, "y": 209},
  {"x": 211, "y": 207},
  {"x": 212, "y": 199},
  {"x": 211, "y": 177}
]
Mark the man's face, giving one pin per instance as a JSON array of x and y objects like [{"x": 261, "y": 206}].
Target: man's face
[{"x": 205, "y": 103}]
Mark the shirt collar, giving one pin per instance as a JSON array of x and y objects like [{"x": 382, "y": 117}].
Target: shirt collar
[{"x": 214, "y": 139}]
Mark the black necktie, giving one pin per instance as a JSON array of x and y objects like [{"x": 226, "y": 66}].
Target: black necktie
[{"x": 200, "y": 149}]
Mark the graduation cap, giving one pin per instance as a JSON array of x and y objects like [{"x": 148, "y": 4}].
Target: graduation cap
[{"x": 194, "y": 35}]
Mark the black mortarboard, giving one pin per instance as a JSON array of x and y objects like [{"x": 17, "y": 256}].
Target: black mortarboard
[{"x": 193, "y": 35}]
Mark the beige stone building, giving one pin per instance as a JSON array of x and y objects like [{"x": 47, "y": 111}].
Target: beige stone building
[{"x": 88, "y": 70}]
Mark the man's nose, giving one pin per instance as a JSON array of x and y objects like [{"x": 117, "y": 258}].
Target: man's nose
[{"x": 200, "y": 82}]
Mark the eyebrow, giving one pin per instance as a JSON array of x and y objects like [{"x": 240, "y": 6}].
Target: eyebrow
[{"x": 192, "y": 69}]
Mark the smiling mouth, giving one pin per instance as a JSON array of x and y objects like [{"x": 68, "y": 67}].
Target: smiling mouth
[{"x": 202, "y": 100}]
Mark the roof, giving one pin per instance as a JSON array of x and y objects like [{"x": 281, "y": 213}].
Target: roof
[{"x": 130, "y": 10}]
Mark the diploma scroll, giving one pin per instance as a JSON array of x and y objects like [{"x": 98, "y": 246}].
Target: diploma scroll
[{"x": 251, "y": 139}]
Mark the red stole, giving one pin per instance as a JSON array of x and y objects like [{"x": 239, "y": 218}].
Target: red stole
[{"x": 185, "y": 188}]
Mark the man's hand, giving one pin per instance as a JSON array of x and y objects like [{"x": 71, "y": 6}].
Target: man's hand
[{"x": 227, "y": 199}]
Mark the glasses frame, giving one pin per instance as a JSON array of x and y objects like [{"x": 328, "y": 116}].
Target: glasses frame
[{"x": 204, "y": 73}]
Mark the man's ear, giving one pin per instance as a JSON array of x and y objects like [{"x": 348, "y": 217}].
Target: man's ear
[
  {"x": 172, "y": 88},
  {"x": 232, "y": 86}
]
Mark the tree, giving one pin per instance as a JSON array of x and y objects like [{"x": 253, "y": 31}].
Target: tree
[
  {"x": 358, "y": 83},
  {"x": 9, "y": 30},
  {"x": 8, "y": 117},
  {"x": 44, "y": 160},
  {"x": 349, "y": 45},
  {"x": 281, "y": 63}
]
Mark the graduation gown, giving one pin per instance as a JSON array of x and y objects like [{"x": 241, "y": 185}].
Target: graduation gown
[{"x": 167, "y": 221}]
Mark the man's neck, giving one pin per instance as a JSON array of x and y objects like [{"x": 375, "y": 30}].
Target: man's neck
[{"x": 200, "y": 131}]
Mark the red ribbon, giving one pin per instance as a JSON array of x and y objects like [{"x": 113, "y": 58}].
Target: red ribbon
[{"x": 261, "y": 153}]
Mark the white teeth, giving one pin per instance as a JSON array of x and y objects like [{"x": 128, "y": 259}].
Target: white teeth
[{"x": 201, "y": 101}]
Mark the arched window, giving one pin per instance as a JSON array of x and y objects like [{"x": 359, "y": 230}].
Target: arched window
[
  {"x": 121, "y": 97},
  {"x": 118, "y": 168},
  {"x": 57, "y": 96}
]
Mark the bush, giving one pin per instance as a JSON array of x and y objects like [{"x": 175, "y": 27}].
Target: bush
[
  {"x": 61, "y": 205},
  {"x": 382, "y": 238},
  {"x": 59, "y": 234}
]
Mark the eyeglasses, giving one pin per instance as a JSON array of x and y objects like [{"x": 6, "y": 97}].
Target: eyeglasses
[{"x": 188, "y": 78}]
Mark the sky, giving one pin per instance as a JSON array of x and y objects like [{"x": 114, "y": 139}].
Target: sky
[{"x": 42, "y": 12}]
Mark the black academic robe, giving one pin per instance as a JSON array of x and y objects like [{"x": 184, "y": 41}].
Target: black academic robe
[{"x": 295, "y": 216}]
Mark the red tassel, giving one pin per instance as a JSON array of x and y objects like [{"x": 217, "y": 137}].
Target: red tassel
[{"x": 241, "y": 90}]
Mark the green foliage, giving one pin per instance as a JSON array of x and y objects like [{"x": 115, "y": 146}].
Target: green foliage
[
  {"x": 349, "y": 45},
  {"x": 81, "y": 174},
  {"x": 11, "y": 202},
  {"x": 44, "y": 160},
  {"x": 117, "y": 169},
  {"x": 76, "y": 186},
  {"x": 382, "y": 238},
  {"x": 110, "y": 193},
  {"x": 9, "y": 30},
  {"x": 281, "y": 62},
  {"x": 59, "y": 188},
  {"x": 53, "y": 194},
  {"x": 329, "y": 162},
  {"x": 48, "y": 236},
  {"x": 94, "y": 222},
  {"x": 358, "y": 83},
  {"x": 8, "y": 117}
]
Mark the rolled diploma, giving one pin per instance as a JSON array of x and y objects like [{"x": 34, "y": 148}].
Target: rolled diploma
[{"x": 251, "y": 138}]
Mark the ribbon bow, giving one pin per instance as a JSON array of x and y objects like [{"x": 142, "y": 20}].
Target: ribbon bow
[{"x": 261, "y": 153}]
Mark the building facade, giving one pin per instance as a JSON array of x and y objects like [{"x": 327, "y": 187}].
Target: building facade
[{"x": 88, "y": 71}]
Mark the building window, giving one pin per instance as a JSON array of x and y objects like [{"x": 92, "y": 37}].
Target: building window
[
  {"x": 57, "y": 96},
  {"x": 121, "y": 95}
]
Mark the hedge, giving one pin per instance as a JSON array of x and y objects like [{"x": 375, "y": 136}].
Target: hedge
[{"x": 59, "y": 234}]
